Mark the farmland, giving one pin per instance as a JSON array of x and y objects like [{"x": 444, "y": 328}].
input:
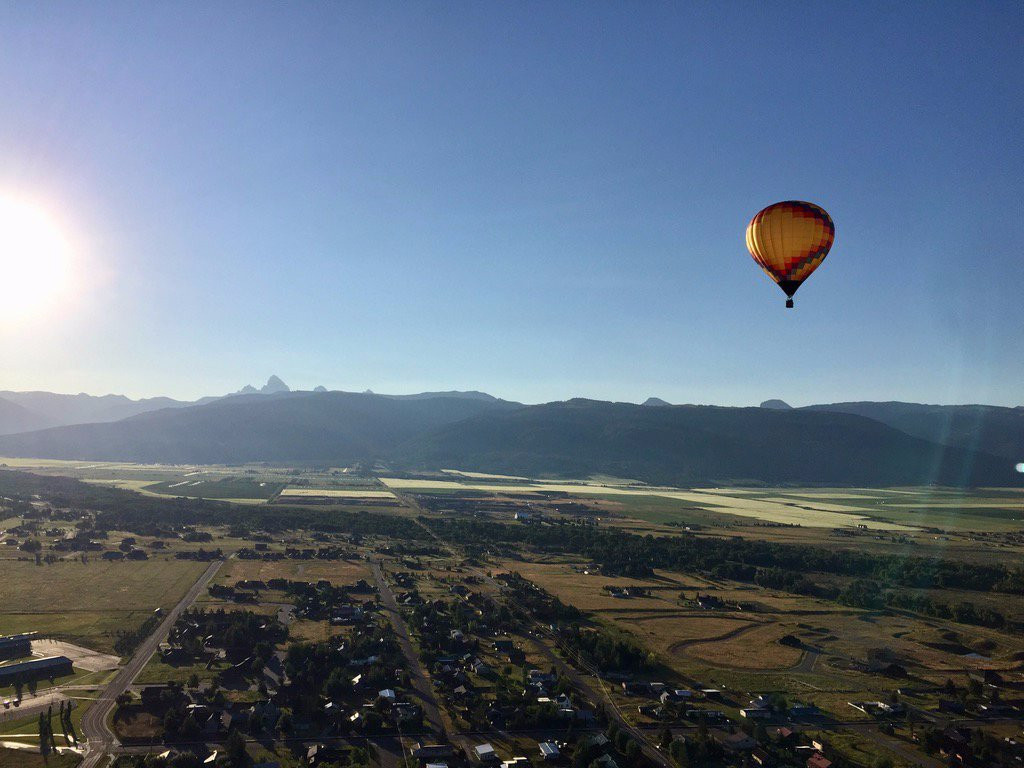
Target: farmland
[
  {"x": 462, "y": 550},
  {"x": 87, "y": 603},
  {"x": 220, "y": 488},
  {"x": 901, "y": 510}
]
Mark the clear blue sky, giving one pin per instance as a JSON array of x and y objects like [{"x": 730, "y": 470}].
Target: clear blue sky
[{"x": 540, "y": 200}]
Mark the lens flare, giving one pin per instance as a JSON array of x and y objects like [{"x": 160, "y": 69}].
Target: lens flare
[
  {"x": 1020, "y": 467},
  {"x": 35, "y": 260}
]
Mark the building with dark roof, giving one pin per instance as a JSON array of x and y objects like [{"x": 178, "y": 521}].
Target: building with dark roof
[
  {"x": 35, "y": 669},
  {"x": 16, "y": 646}
]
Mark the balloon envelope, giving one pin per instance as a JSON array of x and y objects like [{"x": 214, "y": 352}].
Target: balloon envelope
[{"x": 789, "y": 240}]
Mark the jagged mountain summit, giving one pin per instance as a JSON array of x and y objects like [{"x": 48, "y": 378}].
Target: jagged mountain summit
[{"x": 273, "y": 386}]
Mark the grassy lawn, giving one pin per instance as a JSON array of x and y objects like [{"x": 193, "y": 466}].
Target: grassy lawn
[
  {"x": 157, "y": 672},
  {"x": 15, "y": 730},
  {"x": 338, "y": 572},
  {"x": 16, "y": 758}
]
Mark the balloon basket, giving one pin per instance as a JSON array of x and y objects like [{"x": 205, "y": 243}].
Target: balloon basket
[{"x": 789, "y": 303}]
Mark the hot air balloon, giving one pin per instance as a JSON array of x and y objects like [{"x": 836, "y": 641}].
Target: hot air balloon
[{"x": 789, "y": 240}]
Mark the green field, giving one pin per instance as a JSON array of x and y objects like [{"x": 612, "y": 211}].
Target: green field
[
  {"x": 16, "y": 758},
  {"x": 221, "y": 488},
  {"x": 878, "y": 508},
  {"x": 87, "y": 603}
]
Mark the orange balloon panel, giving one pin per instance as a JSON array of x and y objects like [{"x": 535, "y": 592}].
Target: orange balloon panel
[{"x": 789, "y": 240}]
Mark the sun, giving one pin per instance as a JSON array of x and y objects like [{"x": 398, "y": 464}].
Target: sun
[{"x": 35, "y": 260}]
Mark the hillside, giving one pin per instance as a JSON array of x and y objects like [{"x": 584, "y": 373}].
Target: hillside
[
  {"x": 683, "y": 444},
  {"x": 693, "y": 444},
  {"x": 296, "y": 426},
  {"x": 17, "y": 418},
  {"x": 988, "y": 428},
  {"x": 51, "y": 409}
]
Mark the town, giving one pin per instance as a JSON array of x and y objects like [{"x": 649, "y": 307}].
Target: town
[{"x": 489, "y": 630}]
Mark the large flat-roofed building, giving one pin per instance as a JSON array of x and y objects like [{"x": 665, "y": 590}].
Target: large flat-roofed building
[
  {"x": 35, "y": 669},
  {"x": 16, "y": 646}
]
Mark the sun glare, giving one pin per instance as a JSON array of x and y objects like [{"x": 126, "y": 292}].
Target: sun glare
[{"x": 35, "y": 260}]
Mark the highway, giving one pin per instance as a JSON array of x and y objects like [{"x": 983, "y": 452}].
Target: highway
[{"x": 100, "y": 739}]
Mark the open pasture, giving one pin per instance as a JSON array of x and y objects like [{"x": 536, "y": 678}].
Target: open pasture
[
  {"x": 755, "y": 646},
  {"x": 784, "y": 511},
  {"x": 948, "y": 508},
  {"x": 337, "y": 572},
  {"x": 482, "y": 475},
  {"x": 88, "y": 603},
  {"x": 572, "y": 585},
  {"x": 671, "y": 633},
  {"x": 216, "y": 488},
  {"x": 334, "y": 493}
]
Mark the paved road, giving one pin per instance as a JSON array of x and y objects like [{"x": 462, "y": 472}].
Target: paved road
[
  {"x": 807, "y": 660},
  {"x": 544, "y": 640},
  {"x": 417, "y": 676},
  {"x": 94, "y": 722}
]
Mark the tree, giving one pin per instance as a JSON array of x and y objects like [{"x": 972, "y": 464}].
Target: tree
[
  {"x": 44, "y": 739},
  {"x": 173, "y": 720},
  {"x": 284, "y": 723},
  {"x": 677, "y": 750},
  {"x": 632, "y": 751},
  {"x": 234, "y": 747},
  {"x": 622, "y": 739},
  {"x": 190, "y": 728},
  {"x": 760, "y": 733}
]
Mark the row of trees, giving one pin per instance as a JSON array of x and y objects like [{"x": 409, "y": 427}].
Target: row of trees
[
  {"x": 608, "y": 652},
  {"x": 621, "y": 553},
  {"x": 125, "y": 510},
  {"x": 866, "y": 593}
]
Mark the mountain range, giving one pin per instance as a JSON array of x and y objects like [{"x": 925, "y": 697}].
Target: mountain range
[
  {"x": 27, "y": 411},
  {"x": 838, "y": 444}
]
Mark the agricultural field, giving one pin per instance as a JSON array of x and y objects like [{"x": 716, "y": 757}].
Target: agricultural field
[
  {"x": 738, "y": 645},
  {"x": 335, "y": 571},
  {"x": 87, "y": 603},
  {"x": 334, "y": 493},
  {"x": 693, "y": 619},
  {"x": 903, "y": 510},
  {"x": 219, "y": 488}
]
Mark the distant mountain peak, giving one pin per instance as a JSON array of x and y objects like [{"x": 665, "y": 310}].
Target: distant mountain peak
[
  {"x": 777, "y": 405},
  {"x": 320, "y": 388},
  {"x": 655, "y": 402},
  {"x": 274, "y": 385}
]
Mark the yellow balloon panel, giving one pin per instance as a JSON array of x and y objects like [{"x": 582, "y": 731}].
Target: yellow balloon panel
[{"x": 790, "y": 239}]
